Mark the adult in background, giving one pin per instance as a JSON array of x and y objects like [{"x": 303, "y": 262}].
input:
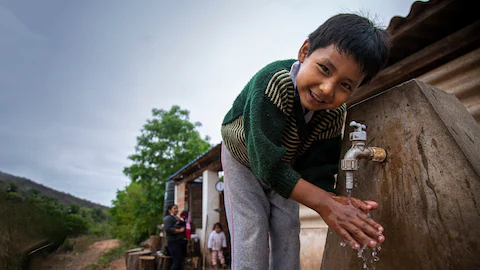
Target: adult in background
[{"x": 176, "y": 236}]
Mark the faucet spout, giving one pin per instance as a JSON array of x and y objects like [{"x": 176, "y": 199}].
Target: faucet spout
[{"x": 358, "y": 151}]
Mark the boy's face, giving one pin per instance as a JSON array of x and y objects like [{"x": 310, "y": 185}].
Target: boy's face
[{"x": 326, "y": 78}]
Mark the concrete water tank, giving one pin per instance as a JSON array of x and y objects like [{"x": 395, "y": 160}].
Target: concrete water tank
[{"x": 429, "y": 187}]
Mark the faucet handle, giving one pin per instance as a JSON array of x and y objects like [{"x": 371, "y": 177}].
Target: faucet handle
[
  {"x": 358, "y": 126},
  {"x": 359, "y": 133}
]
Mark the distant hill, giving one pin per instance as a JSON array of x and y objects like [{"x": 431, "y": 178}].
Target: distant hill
[{"x": 64, "y": 198}]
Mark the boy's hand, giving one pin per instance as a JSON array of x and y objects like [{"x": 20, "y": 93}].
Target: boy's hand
[{"x": 342, "y": 214}]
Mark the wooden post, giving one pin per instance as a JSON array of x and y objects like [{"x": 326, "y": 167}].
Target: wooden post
[
  {"x": 163, "y": 262},
  {"x": 133, "y": 259},
  {"x": 130, "y": 251},
  {"x": 146, "y": 263},
  {"x": 155, "y": 243}
]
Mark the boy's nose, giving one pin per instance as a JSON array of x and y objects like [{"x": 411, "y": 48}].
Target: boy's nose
[{"x": 328, "y": 92}]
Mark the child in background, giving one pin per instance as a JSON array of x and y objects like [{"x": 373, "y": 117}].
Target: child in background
[
  {"x": 216, "y": 242},
  {"x": 184, "y": 221}
]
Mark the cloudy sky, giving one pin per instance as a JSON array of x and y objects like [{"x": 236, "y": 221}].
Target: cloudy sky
[{"x": 78, "y": 79}]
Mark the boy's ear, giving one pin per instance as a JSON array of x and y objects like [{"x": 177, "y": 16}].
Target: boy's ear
[{"x": 302, "y": 53}]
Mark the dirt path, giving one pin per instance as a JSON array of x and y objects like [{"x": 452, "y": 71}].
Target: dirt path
[{"x": 81, "y": 261}]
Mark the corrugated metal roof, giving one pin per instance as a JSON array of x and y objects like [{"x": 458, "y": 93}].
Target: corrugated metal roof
[
  {"x": 427, "y": 23},
  {"x": 196, "y": 160},
  {"x": 432, "y": 34},
  {"x": 460, "y": 77}
]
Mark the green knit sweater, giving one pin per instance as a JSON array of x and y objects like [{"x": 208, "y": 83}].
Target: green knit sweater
[{"x": 266, "y": 131}]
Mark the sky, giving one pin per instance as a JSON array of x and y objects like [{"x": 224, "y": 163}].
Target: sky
[{"x": 78, "y": 79}]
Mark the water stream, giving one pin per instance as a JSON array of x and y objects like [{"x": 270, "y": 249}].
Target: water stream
[{"x": 369, "y": 256}]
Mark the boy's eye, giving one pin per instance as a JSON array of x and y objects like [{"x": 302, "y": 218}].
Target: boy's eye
[
  {"x": 325, "y": 69},
  {"x": 347, "y": 86}
]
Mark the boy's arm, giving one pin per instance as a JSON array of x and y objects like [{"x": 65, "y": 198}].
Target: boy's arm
[{"x": 342, "y": 214}]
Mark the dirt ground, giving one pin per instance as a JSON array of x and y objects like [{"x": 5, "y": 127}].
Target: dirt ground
[{"x": 81, "y": 261}]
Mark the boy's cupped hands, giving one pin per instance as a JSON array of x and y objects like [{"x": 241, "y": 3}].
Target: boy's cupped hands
[{"x": 345, "y": 215}]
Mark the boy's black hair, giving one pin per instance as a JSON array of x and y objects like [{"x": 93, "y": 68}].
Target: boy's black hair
[{"x": 354, "y": 36}]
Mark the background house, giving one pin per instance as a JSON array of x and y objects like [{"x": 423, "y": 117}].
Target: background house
[{"x": 195, "y": 191}]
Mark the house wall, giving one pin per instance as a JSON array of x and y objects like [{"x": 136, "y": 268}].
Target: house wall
[
  {"x": 210, "y": 202},
  {"x": 181, "y": 196},
  {"x": 313, "y": 233}
]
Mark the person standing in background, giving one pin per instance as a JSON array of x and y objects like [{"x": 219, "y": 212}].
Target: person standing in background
[
  {"x": 216, "y": 243},
  {"x": 176, "y": 236}
]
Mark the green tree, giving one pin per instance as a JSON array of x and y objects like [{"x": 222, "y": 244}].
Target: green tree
[
  {"x": 76, "y": 224},
  {"x": 167, "y": 142},
  {"x": 98, "y": 215},
  {"x": 124, "y": 222}
]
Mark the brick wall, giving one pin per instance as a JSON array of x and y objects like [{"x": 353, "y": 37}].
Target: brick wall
[{"x": 181, "y": 198}]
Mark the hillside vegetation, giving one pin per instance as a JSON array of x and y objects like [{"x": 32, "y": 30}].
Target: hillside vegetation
[
  {"x": 30, "y": 219},
  {"x": 26, "y": 185}
]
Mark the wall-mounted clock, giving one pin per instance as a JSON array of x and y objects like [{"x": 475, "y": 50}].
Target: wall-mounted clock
[{"x": 220, "y": 185}]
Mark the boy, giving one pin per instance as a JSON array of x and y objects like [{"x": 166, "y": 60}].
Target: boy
[{"x": 281, "y": 145}]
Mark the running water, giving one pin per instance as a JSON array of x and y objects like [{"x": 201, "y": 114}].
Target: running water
[
  {"x": 369, "y": 256},
  {"x": 361, "y": 256},
  {"x": 349, "y": 190},
  {"x": 369, "y": 259}
]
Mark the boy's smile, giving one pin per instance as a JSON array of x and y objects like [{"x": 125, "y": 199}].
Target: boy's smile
[{"x": 326, "y": 78}]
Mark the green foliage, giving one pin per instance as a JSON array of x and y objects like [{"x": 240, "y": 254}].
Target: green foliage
[
  {"x": 30, "y": 217},
  {"x": 76, "y": 225},
  {"x": 167, "y": 142},
  {"x": 127, "y": 223},
  {"x": 14, "y": 197},
  {"x": 98, "y": 215},
  {"x": 74, "y": 209},
  {"x": 12, "y": 187},
  {"x": 34, "y": 191},
  {"x": 99, "y": 230}
]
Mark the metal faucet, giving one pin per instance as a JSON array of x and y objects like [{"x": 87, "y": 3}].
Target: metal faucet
[{"x": 358, "y": 151}]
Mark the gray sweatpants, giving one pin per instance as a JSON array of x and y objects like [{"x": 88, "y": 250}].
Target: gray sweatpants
[{"x": 256, "y": 215}]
